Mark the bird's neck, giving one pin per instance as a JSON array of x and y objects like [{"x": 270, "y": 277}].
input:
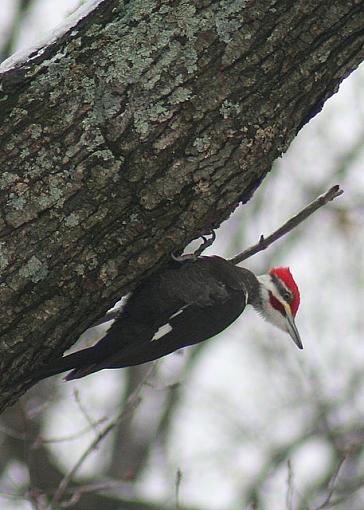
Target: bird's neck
[{"x": 252, "y": 286}]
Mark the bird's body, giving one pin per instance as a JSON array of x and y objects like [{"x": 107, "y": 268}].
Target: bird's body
[{"x": 181, "y": 305}]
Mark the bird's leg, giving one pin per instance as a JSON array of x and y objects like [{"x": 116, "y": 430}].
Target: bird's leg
[{"x": 206, "y": 242}]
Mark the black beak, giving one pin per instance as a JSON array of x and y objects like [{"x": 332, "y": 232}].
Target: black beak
[{"x": 292, "y": 329}]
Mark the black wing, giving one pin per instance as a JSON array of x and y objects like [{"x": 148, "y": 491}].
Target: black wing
[
  {"x": 176, "y": 307},
  {"x": 191, "y": 325}
]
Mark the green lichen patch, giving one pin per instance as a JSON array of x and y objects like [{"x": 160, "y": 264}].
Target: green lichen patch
[
  {"x": 108, "y": 272},
  {"x": 34, "y": 269},
  {"x": 4, "y": 260},
  {"x": 229, "y": 109},
  {"x": 180, "y": 95},
  {"x": 15, "y": 202},
  {"x": 7, "y": 178},
  {"x": 72, "y": 220},
  {"x": 202, "y": 143}
]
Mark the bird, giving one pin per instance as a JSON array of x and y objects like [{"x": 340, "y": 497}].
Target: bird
[{"x": 187, "y": 302}]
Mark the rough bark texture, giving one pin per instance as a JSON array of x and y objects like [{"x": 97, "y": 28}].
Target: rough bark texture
[{"x": 136, "y": 132}]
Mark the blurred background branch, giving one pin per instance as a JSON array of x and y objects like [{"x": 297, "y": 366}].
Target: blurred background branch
[{"x": 22, "y": 7}]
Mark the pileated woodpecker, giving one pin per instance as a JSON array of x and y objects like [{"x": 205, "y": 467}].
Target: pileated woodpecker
[{"x": 184, "y": 304}]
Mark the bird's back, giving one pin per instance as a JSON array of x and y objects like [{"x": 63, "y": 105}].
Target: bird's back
[{"x": 183, "y": 304}]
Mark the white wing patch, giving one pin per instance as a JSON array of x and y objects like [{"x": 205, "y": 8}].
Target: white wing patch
[
  {"x": 167, "y": 328},
  {"x": 162, "y": 331}
]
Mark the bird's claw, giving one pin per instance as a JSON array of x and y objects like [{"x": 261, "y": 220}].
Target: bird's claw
[
  {"x": 206, "y": 243},
  {"x": 193, "y": 256}
]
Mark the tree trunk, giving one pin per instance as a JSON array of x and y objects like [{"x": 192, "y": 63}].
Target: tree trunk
[{"x": 138, "y": 130}]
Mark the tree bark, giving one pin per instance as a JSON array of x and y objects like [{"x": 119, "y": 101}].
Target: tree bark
[{"x": 136, "y": 131}]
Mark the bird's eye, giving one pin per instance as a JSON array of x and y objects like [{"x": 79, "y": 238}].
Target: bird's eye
[
  {"x": 288, "y": 296},
  {"x": 285, "y": 293}
]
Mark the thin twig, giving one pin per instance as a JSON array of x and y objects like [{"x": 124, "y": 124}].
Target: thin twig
[
  {"x": 332, "y": 486},
  {"x": 264, "y": 242},
  {"x": 178, "y": 486},
  {"x": 71, "y": 437},
  {"x": 92, "y": 423},
  {"x": 290, "y": 486},
  {"x": 131, "y": 405}
]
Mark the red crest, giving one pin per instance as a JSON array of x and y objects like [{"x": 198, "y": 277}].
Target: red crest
[{"x": 284, "y": 274}]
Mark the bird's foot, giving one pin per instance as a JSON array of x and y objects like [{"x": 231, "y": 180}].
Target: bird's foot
[{"x": 206, "y": 242}]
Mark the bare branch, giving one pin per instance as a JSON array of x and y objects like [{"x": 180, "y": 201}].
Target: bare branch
[
  {"x": 293, "y": 222},
  {"x": 178, "y": 486},
  {"x": 22, "y": 8},
  {"x": 131, "y": 405},
  {"x": 332, "y": 486},
  {"x": 290, "y": 487},
  {"x": 92, "y": 423},
  {"x": 71, "y": 437}
]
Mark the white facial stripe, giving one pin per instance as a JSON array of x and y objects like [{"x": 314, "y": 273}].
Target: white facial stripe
[
  {"x": 267, "y": 281},
  {"x": 162, "y": 331},
  {"x": 269, "y": 313},
  {"x": 284, "y": 285},
  {"x": 284, "y": 291}
]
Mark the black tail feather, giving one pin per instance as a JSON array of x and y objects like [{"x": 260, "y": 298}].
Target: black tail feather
[
  {"x": 85, "y": 361},
  {"x": 78, "y": 360}
]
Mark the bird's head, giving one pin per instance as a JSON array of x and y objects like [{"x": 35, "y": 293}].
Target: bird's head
[{"x": 280, "y": 299}]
